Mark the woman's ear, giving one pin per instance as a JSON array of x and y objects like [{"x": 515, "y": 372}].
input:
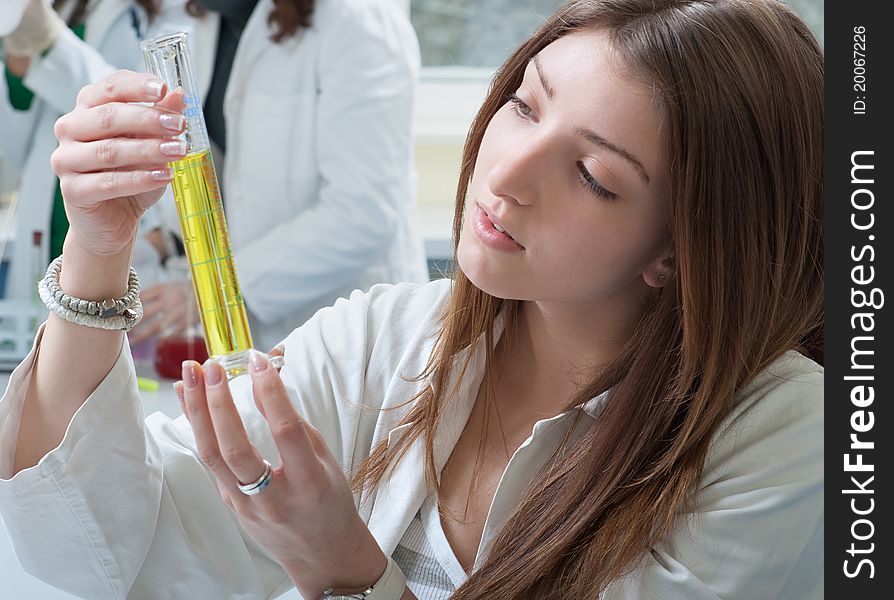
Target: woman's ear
[{"x": 660, "y": 271}]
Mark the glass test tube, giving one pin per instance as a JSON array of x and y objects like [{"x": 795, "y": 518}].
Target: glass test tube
[{"x": 200, "y": 210}]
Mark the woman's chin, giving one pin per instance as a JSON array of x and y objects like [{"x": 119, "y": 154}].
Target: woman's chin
[{"x": 483, "y": 275}]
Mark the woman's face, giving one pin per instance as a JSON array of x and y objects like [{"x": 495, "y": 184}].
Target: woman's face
[{"x": 573, "y": 170}]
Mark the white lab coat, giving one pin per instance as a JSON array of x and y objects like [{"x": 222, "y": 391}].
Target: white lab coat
[
  {"x": 113, "y": 32},
  {"x": 318, "y": 179},
  {"x": 124, "y": 509}
]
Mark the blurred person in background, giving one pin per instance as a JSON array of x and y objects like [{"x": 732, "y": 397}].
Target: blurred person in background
[{"x": 309, "y": 107}]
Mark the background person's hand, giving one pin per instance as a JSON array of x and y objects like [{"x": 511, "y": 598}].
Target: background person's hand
[
  {"x": 112, "y": 159},
  {"x": 306, "y": 518},
  {"x": 37, "y": 31},
  {"x": 167, "y": 307},
  {"x": 18, "y": 65}
]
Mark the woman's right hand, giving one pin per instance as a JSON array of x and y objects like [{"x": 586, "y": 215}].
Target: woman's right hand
[{"x": 112, "y": 159}]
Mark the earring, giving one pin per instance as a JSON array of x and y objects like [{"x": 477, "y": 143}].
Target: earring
[{"x": 661, "y": 277}]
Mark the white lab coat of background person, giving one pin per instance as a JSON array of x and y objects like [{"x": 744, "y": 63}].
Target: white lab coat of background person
[
  {"x": 318, "y": 179},
  {"x": 114, "y": 29}
]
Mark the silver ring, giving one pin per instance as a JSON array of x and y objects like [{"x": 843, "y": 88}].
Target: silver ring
[{"x": 250, "y": 489}]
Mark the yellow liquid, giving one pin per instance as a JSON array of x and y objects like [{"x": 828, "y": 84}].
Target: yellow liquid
[{"x": 207, "y": 243}]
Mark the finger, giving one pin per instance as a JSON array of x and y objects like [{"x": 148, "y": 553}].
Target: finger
[
  {"x": 178, "y": 391},
  {"x": 207, "y": 448},
  {"x": 153, "y": 315},
  {"x": 153, "y": 293},
  {"x": 237, "y": 451},
  {"x": 122, "y": 86},
  {"x": 90, "y": 188},
  {"x": 144, "y": 332},
  {"x": 116, "y": 119},
  {"x": 169, "y": 324},
  {"x": 289, "y": 429},
  {"x": 173, "y": 101},
  {"x": 175, "y": 318},
  {"x": 155, "y": 307},
  {"x": 117, "y": 153}
]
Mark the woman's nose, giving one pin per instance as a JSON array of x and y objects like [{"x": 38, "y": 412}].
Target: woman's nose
[{"x": 523, "y": 170}]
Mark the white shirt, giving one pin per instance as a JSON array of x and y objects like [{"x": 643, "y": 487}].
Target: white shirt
[
  {"x": 124, "y": 509},
  {"x": 424, "y": 555}
]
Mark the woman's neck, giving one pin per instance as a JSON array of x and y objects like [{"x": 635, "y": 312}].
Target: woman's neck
[{"x": 555, "y": 349}]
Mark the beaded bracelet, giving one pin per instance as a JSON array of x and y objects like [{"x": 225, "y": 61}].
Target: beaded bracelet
[{"x": 115, "y": 315}]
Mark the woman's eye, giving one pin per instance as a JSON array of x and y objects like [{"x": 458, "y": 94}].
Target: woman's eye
[
  {"x": 592, "y": 185},
  {"x": 519, "y": 107},
  {"x": 523, "y": 111}
]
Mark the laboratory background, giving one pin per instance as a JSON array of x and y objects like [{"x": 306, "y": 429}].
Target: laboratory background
[{"x": 461, "y": 43}]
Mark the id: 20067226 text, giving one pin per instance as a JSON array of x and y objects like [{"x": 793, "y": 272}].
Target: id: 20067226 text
[{"x": 860, "y": 59}]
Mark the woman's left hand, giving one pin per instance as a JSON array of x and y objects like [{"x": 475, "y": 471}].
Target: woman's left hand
[{"x": 306, "y": 517}]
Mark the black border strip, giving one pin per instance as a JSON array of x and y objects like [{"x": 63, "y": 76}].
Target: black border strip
[{"x": 859, "y": 266}]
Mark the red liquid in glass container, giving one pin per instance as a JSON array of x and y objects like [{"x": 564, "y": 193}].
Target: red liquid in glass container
[{"x": 173, "y": 350}]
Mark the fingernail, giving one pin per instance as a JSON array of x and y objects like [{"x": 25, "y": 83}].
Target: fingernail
[
  {"x": 178, "y": 390},
  {"x": 154, "y": 87},
  {"x": 257, "y": 361},
  {"x": 160, "y": 174},
  {"x": 173, "y": 148},
  {"x": 190, "y": 373},
  {"x": 172, "y": 121},
  {"x": 213, "y": 372}
]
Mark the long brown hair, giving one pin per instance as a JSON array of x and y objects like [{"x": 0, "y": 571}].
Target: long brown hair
[
  {"x": 80, "y": 10},
  {"x": 741, "y": 83},
  {"x": 287, "y": 16}
]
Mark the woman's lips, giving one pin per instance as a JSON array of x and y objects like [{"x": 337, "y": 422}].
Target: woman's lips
[{"x": 488, "y": 233}]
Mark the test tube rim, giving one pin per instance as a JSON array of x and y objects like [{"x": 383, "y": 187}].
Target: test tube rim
[{"x": 163, "y": 40}]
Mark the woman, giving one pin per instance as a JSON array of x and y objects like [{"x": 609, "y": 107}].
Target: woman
[
  {"x": 310, "y": 104},
  {"x": 616, "y": 397}
]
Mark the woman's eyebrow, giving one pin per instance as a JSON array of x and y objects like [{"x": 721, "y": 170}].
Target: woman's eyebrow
[
  {"x": 604, "y": 143},
  {"x": 589, "y": 135},
  {"x": 543, "y": 82}
]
